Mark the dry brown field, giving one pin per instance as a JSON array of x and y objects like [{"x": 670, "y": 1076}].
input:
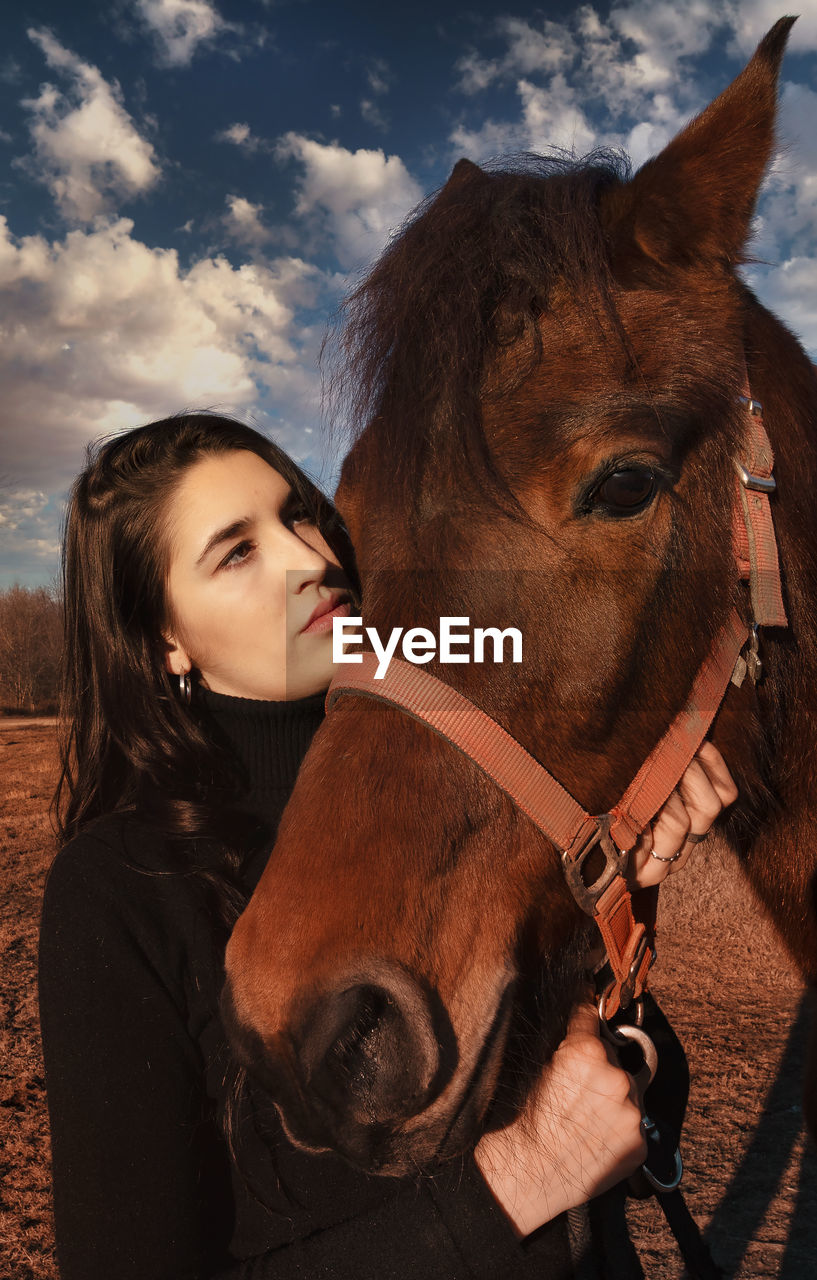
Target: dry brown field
[
  {"x": 751, "y": 1177},
  {"x": 27, "y": 775}
]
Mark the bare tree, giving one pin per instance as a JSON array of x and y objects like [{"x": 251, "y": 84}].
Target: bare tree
[{"x": 30, "y": 641}]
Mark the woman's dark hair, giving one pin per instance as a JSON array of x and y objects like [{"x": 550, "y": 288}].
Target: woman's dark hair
[{"x": 128, "y": 741}]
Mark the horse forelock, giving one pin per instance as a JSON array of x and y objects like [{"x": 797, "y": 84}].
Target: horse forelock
[
  {"x": 470, "y": 273},
  {"x": 492, "y": 338}
]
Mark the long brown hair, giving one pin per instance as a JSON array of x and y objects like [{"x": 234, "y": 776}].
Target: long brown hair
[{"x": 128, "y": 741}]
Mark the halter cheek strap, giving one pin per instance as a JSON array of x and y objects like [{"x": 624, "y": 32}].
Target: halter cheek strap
[
  {"x": 755, "y": 545},
  {"x": 546, "y": 802},
  {"x": 603, "y": 894}
]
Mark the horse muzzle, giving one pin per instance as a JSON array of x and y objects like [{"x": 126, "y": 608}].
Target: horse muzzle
[{"x": 370, "y": 1069}]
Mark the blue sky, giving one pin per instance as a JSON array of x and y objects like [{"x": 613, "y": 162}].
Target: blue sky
[{"x": 190, "y": 186}]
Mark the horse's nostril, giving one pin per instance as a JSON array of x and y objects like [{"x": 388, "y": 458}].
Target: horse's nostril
[{"x": 369, "y": 1054}]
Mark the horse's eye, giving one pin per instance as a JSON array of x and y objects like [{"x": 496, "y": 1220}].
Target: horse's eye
[{"x": 627, "y": 490}]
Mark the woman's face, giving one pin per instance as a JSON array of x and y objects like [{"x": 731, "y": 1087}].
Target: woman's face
[{"x": 252, "y": 587}]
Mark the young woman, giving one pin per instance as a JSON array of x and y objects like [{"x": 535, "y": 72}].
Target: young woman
[{"x": 201, "y": 573}]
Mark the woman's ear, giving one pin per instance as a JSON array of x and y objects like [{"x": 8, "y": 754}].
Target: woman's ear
[{"x": 177, "y": 659}]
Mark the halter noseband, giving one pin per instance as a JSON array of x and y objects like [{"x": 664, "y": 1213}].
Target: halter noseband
[{"x": 578, "y": 834}]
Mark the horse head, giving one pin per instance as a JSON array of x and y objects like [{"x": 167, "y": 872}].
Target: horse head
[{"x": 548, "y": 362}]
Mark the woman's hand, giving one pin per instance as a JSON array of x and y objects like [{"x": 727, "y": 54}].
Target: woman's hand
[
  {"x": 665, "y": 846},
  {"x": 580, "y": 1134}
]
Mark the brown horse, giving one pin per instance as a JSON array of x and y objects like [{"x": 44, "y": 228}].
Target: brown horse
[{"x": 548, "y": 362}]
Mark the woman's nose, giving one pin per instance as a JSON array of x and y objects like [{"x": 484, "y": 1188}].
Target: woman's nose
[
  {"x": 316, "y": 565},
  {"x": 310, "y": 568}
]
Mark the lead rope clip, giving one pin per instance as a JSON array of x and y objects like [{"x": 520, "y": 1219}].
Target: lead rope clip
[{"x": 663, "y": 1167}]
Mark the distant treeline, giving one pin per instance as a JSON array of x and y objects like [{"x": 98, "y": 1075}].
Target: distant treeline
[{"x": 30, "y": 643}]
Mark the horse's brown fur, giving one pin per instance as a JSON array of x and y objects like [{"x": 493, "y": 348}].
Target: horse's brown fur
[{"x": 528, "y": 330}]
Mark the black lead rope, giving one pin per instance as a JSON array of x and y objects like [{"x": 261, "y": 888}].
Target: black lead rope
[
  {"x": 660, "y": 1176},
  {"x": 694, "y": 1249},
  {"x": 601, "y": 1247}
]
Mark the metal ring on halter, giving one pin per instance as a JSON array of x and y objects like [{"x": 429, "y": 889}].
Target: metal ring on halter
[
  {"x": 625, "y": 1034},
  {"x": 636, "y": 1011}
]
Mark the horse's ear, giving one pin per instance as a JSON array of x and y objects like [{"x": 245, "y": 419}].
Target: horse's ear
[
  {"x": 463, "y": 171},
  {"x": 695, "y": 200}
]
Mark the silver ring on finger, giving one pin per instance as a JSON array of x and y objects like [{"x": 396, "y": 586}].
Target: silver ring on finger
[
  {"x": 695, "y": 837},
  {"x": 674, "y": 857}
]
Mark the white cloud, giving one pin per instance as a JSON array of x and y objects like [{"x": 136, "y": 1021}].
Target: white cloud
[
  {"x": 181, "y": 27},
  {"x": 665, "y": 31},
  {"x": 28, "y": 536},
  {"x": 108, "y": 333},
  {"x": 661, "y": 32},
  {"x": 238, "y": 134},
  {"x": 787, "y": 218},
  {"x": 550, "y": 117},
  {"x": 378, "y": 76},
  {"x": 21, "y": 505},
  {"x": 583, "y": 82},
  {"x": 751, "y": 19},
  {"x": 476, "y": 73},
  {"x": 492, "y": 138},
  {"x": 354, "y": 197},
  {"x": 241, "y": 135},
  {"x": 10, "y": 70},
  {"x": 790, "y": 290},
  {"x": 243, "y": 222},
  {"x": 529, "y": 49},
  {"x": 554, "y": 117},
  {"x": 628, "y": 80},
  {"x": 647, "y": 139},
  {"x": 87, "y": 149},
  {"x": 373, "y": 114}
]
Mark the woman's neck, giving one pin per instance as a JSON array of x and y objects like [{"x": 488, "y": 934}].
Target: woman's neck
[{"x": 268, "y": 739}]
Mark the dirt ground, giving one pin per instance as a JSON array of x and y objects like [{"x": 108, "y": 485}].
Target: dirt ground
[
  {"x": 27, "y": 776},
  {"x": 750, "y": 1179}
]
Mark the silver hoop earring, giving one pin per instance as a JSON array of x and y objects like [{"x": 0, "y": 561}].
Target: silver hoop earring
[{"x": 185, "y": 687}]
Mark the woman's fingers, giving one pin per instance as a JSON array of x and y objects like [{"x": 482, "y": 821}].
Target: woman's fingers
[
  {"x": 581, "y": 1134},
  {"x": 714, "y": 765},
  {"x": 704, "y": 790},
  {"x": 666, "y": 838}
]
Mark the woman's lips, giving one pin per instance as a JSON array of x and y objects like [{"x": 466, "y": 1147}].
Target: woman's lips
[{"x": 323, "y": 622}]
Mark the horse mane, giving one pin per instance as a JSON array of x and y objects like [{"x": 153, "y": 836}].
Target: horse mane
[{"x": 472, "y": 269}]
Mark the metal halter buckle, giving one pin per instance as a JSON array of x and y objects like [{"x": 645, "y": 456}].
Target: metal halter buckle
[
  {"x": 754, "y": 663},
  {"x": 761, "y": 484},
  {"x": 628, "y": 985},
  {"x": 754, "y": 406},
  {"x": 574, "y": 860}
]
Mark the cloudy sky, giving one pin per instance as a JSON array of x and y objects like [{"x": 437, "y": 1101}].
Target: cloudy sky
[{"x": 190, "y": 185}]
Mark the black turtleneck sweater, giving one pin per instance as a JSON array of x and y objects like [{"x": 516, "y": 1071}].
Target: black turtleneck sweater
[{"x": 138, "y": 1075}]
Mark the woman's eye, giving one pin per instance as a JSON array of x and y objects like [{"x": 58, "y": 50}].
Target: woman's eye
[
  {"x": 240, "y": 552},
  {"x": 626, "y": 490}
]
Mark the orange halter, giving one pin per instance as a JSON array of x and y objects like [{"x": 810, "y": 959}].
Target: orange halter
[{"x": 606, "y": 898}]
